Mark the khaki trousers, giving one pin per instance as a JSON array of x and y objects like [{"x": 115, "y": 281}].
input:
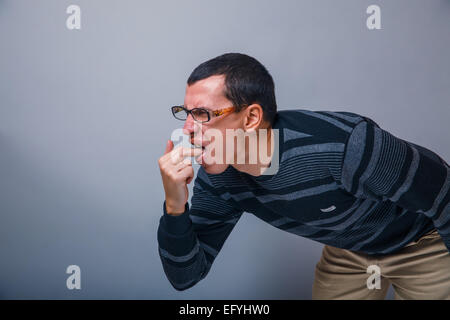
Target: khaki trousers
[{"x": 420, "y": 270}]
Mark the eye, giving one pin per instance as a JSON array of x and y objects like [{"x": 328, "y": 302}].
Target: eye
[
  {"x": 199, "y": 112},
  {"x": 177, "y": 109}
]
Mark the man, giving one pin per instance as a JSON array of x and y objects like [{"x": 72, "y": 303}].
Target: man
[{"x": 373, "y": 199}]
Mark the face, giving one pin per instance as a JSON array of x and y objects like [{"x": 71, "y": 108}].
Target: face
[{"x": 209, "y": 94}]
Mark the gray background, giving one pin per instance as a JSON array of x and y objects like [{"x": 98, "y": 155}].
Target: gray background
[{"x": 84, "y": 117}]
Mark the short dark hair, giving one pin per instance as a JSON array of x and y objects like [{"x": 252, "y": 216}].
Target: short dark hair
[{"x": 247, "y": 81}]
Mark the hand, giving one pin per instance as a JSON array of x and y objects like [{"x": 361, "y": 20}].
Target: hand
[{"x": 176, "y": 173}]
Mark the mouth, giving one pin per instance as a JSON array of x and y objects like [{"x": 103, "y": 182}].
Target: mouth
[
  {"x": 197, "y": 145},
  {"x": 199, "y": 158}
]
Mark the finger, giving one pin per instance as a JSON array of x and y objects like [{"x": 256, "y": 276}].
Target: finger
[
  {"x": 188, "y": 173},
  {"x": 180, "y": 153},
  {"x": 191, "y": 152},
  {"x": 169, "y": 146},
  {"x": 176, "y": 155},
  {"x": 183, "y": 164}
]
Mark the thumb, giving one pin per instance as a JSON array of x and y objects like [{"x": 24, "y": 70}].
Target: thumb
[{"x": 169, "y": 146}]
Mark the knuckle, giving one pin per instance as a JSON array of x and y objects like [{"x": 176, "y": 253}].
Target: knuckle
[
  {"x": 173, "y": 158},
  {"x": 163, "y": 166}
]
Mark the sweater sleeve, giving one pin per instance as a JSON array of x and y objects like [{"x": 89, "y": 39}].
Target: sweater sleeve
[
  {"x": 381, "y": 166},
  {"x": 189, "y": 243}
]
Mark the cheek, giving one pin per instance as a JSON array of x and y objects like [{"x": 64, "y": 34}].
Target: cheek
[{"x": 216, "y": 151}]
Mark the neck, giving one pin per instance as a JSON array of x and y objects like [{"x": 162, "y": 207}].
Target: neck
[{"x": 259, "y": 167}]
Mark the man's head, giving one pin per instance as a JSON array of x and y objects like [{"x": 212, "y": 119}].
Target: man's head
[{"x": 230, "y": 80}]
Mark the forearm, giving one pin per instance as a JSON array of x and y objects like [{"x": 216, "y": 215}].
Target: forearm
[{"x": 182, "y": 257}]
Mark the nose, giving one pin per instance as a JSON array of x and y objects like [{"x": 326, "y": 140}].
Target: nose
[{"x": 189, "y": 125}]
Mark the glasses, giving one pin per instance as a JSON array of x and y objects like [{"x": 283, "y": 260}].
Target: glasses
[{"x": 199, "y": 114}]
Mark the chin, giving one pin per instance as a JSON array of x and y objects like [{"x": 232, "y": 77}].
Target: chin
[{"x": 215, "y": 168}]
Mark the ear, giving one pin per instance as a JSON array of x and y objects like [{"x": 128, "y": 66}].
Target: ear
[{"x": 253, "y": 117}]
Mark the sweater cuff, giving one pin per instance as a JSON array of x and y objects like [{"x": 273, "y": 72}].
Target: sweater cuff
[{"x": 179, "y": 224}]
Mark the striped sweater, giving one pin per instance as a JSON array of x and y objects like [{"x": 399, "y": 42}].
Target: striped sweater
[{"x": 342, "y": 181}]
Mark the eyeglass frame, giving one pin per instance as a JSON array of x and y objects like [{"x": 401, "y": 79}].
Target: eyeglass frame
[{"x": 210, "y": 113}]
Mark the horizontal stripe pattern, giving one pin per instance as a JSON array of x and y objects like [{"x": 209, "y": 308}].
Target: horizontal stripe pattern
[{"x": 380, "y": 192}]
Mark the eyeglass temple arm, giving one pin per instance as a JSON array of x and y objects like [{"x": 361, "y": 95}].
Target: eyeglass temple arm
[{"x": 220, "y": 112}]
